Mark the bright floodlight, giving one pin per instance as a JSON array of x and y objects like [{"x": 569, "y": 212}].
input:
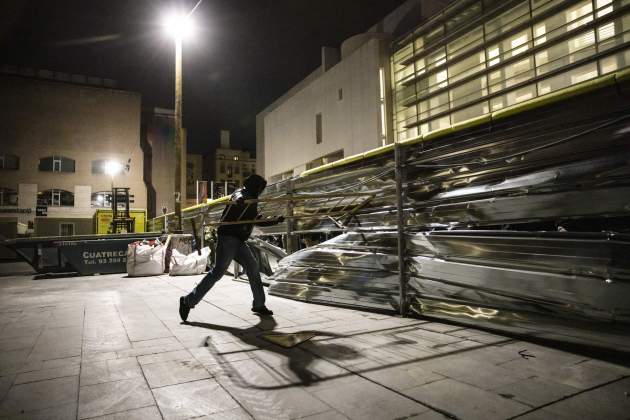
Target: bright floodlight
[
  {"x": 112, "y": 168},
  {"x": 178, "y": 25}
]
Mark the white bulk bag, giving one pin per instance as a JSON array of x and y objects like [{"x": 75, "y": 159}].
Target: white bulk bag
[
  {"x": 188, "y": 265},
  {"x": 145, "y": 260}
]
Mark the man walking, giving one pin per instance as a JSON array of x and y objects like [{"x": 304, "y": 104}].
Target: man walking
[{"x": 232, "y": 246}]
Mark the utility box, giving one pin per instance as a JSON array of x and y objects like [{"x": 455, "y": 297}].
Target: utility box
[{"x": 103, "y": 221}]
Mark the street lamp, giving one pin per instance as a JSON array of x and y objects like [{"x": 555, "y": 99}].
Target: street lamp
[{"x": 178, "y": 26}]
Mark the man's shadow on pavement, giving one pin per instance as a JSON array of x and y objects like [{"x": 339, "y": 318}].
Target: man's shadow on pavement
[{"x": 298, "y": 360}]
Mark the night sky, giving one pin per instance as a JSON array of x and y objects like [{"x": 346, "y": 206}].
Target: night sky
[{"x": 245, "y": 54}]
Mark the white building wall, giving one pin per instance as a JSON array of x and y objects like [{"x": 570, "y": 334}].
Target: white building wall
[{"x": 351, "y": 124}]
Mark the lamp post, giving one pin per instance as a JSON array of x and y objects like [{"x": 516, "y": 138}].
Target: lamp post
[{"x": 178, "y": 25}]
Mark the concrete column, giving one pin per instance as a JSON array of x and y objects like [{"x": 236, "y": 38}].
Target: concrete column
[
  {"x": 82, "y": 196},
  {"x": 27, "y": 199}
]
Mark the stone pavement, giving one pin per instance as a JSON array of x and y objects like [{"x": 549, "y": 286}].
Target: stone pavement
[{"x": 112, "y": 347}]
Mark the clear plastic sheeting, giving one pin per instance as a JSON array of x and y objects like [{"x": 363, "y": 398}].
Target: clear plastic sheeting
[
  {"x": 352, "y": 269},
  {"x": 529, "y": 283}
]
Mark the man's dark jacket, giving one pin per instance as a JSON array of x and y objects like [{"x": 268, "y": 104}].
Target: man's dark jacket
[{"x": 238, "y": 210}]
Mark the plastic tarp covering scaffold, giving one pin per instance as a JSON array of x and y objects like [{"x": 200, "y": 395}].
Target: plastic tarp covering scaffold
[
  {"x": 519, "y": 223},
  {"x": 565, "y": 286}
]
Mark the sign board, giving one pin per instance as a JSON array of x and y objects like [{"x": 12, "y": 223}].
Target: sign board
[
  {"x": 41, "y": 211},
  {"x": 89, "y": 257},
  {"x": 15, "y": 210},
  {"x": 103, "y": 220}
]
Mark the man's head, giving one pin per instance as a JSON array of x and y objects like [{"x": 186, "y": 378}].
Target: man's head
[{"x": 255, "y": 184}]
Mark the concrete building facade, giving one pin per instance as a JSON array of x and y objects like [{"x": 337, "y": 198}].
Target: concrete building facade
[
  {"x": 227, "y": 166},
  {"x": 446, "y": 63},
  {"x": 57, "y": 139},
  {"x": 194, "y": 173},
  {"x": 158, "y": 136},
  {"x": 343, "y": 108}
]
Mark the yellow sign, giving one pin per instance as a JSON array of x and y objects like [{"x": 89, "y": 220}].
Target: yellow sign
[{"x": 103, "y": 220}]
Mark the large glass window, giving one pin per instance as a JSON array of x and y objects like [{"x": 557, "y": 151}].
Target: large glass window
[
  {"x": 468, "y": 92},
  {"x": 565, "y": 52},
  {"x": 102, "y": 199},
  {"x": 470, "y": 65},
  {"x": 568, "y": 78},
  {"x": 511, "y": 74},
  {"x": 552, "y": 49},
  {"x": 8, "y": 161},
  {"x": 560, "y": 23},
  {"x": 56, "y": 164},
  {"x": 464, "y": 44},
  {"x": 615, "y": 62},
  {"x": 507, "y": 20},
  {"x": 513, "y": 97},
  {"x": 55, "y": 198},
  {"x": 8, "y": 197}
]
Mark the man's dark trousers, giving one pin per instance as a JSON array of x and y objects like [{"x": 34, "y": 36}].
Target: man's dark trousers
[{"x": 230, "y": 248}]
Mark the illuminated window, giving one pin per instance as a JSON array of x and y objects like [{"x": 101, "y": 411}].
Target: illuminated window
[{"x": 382, "y": 104}]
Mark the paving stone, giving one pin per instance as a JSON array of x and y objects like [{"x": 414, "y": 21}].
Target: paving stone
[
  {"x": 465, "y": 401},
  {"x": 193, "y": 399},
  {"x": 15, "y": 343},
  {"x": 536, "y": 391},
  {"x": 236, "y": 414},
  {"x": 145, "y": 413},
  {"x": 62, "y": 412},
  {"x": 165, "y": 357},
  {"x": 173, "y": 372},
  {"x": 109, "y": 371},
  {"x": 98, "y": 357},
  {"x": 40, "y": 395},
  {"x": 366, "y": 400},
  {"x": 80, "y": 320},
  {"x": 430, "y": 415},
  {"x": 611, "y": 401},
  {"x": 156, "y": 342},
  {"x": 66, "y": 361},
  {"x": 5, "y": 384},
  {"x": 568, "y": 370},
  {"x": 328, "y": 415},
  {"x": 143, "y": 351},
  {"x": 267, "y": 394},
  {"x": 52, "y": 373},
  {"x": 480, "y": 374},
  {"x": 113, "y": 397},
  {"x": 402, "y": 377},
  {"x": 15, "y": 361}
]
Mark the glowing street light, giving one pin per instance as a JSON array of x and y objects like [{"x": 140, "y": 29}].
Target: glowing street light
[
  {"x": 179, "y": 26},
  {"x": 113, "y": 168}
]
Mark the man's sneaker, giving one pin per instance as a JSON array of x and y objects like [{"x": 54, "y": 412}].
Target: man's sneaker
[
  {"x": 184, "y": 309},
  {"x": 262, "y": 310}
]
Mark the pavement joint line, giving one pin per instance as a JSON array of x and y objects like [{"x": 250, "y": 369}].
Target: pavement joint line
[
  {"x": 360, "y": 374},
  {"x": 161, "y": 277},
  {"x": 566, "y": 397},
  {"x": 186, "y": 382},
  {"x": 117, "y": 412},
  {"x": 136, "y": 357}
]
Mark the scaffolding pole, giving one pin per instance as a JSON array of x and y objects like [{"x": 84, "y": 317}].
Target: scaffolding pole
[{"x": 399, "y": 156}]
